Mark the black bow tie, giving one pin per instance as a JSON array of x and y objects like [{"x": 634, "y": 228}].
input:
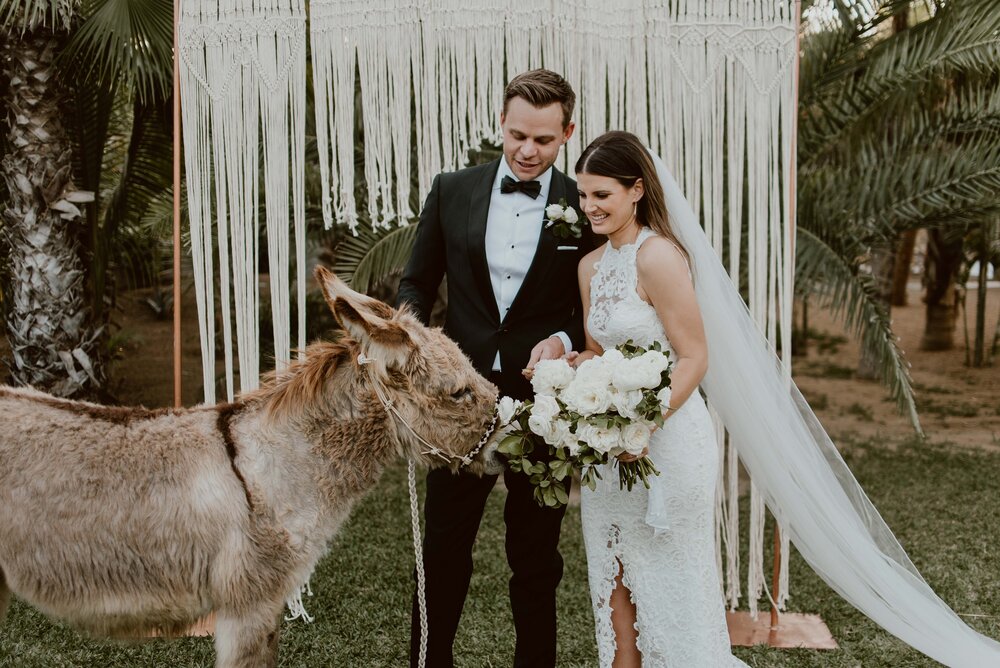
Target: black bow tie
[{"x": 530, "y": 188}]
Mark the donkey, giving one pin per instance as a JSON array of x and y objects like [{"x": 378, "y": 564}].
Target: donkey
[{"x": 122, "y": 520}]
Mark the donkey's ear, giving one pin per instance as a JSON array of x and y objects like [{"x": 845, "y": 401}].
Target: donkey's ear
[
  {"x": 367, "y": 320},
  {"x": 334, "y": 288}
]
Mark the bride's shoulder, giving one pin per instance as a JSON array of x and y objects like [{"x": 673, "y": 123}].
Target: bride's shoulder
[
  {"x": 658, "y": 254},
  {"x": 588, "y": 263}
]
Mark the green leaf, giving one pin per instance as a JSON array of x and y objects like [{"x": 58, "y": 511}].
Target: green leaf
[
  {"x": 561, "y": 496},
  {"x": 125, "y": 42},
  {"x": 367, "y": 259},
  {"x": 851, "y": 297}
]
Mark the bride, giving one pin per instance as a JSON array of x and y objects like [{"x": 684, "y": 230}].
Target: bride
[
  {"x": 654, "y": 586},
  {"x": 651, "y": 554}
]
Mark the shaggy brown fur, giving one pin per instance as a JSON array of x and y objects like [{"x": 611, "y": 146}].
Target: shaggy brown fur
[{"x": 120, "y": 520}]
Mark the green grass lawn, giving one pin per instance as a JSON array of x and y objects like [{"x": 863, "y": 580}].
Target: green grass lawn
[{"x": 944, "y": 507}]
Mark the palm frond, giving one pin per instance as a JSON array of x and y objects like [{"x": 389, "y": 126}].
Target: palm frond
[
  {"x": 894, "y": 73},
  {"x": 147, "y": 169},
  {"x": 946, "y": 112},
  {"x": 821, "y": 271},
  {"x": 20, "y": 16},
  {"x": 367, "y": 259},
  {"x": 841, "y": 43},
  {"x": 906, "y": 188},
  {"x": 158, "y": 218},
  {"x": 145, "y": 173},
  {"x": 126, "y": 41}
]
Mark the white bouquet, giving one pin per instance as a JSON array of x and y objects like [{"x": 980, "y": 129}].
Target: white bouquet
[{"x": 582, "y": 418}]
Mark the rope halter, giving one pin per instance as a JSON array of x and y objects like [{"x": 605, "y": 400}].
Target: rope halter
[{"x": 383, "y": 396}]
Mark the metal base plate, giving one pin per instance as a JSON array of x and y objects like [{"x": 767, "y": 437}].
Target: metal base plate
[{"x": 794, "y": 630}]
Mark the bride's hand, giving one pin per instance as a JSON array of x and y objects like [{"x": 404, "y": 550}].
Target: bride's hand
[
  {"x": 575, "y": 359},
  {"x": 627, "y": 458}
]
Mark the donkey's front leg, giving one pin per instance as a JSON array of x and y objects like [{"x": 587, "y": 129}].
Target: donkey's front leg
[{"x": 247, "y": 639}]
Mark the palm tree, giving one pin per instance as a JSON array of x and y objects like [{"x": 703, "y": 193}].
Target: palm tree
[
  {"x": 99, "y": 110},
  {"x": 52, "y": 340},
  {"x": 120, "y": 60},
  {"x": 896, "y": 133}
]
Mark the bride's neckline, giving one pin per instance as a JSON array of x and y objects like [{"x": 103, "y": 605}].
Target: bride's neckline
[{"x": 644, "y": 233}]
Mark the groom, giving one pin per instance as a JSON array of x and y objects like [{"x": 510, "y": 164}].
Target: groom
[{"x": 513, "y": 300}]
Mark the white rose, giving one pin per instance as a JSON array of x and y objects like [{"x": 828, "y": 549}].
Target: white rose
[
  {"x": 625, "y": 402},
  {"x": 545, "y": 408},
  {"x": 539, "y": 425},
  {"x": 558, "y": 433},
  {"x": 648, "y": 372},
  {"x": 634, "y": 374},
  {"x": 570, "y": 215},
  {"x": 571, "y": 442},
  {"x": 595, "y": 370},
  {"x": 603, "y": 440},
  {"x": 586, "y": 433},
  {"x": 635, "y": 438},
  {"x": 613, "y": 357},
  {"x": 554, "y": 212},
  {"x": 506, "y": 409},
  {"x": 587, "y": 398},
  {"x": 663, "y": 396},
  {"x": 551, "y": 376},
  {"x": 657, "y": 360}
]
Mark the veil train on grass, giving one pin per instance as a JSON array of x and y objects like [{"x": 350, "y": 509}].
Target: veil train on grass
[{"x": 805, "y": 481}]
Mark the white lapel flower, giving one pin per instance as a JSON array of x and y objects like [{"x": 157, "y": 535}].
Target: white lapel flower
[{"x": 563, "y": 220}]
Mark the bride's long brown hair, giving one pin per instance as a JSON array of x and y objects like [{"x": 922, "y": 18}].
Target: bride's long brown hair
[{"x": 622, "y": 157}]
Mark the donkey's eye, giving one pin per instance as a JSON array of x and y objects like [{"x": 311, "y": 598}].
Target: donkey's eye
[{"x": 464, "y": 394}]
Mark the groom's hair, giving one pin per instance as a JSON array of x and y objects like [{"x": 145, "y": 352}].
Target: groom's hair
[{"x": 541, "y": 88}]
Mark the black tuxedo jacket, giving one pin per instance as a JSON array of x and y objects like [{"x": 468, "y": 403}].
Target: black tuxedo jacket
[{"x": 451, "y": 240}]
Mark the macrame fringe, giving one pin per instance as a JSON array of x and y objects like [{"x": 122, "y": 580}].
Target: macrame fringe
[
  {"x": 707, "y": 83},
  {"x": 296, "y": 608},
  {"x": 242, "y": 72},
  {"x": 242, "y": 68}
]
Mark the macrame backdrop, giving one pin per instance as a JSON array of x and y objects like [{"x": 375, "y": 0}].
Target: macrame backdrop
[
  {"x": 242, "y": 72},
  {"x": 709, "y": 84}
]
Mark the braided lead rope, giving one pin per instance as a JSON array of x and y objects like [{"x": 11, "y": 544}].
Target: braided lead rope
[
  {"x": 383, "y": 396},
  {"x": 419, "y": 561}
]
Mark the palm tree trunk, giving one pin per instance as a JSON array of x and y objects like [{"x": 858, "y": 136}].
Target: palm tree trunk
[
  {"x": 901, "y": 270},
  {"x": 944, "y": 258},
  {"x": 883, "y": 262},
  {"x": 979, "y": 347},
  {"x": 53, "y": 344}
]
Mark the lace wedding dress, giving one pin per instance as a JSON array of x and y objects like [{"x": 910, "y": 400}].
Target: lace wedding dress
[{"x": 662, "y": 537}]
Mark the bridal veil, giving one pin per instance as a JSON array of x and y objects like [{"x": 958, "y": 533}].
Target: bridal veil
[{"x": 805, "y": 481}]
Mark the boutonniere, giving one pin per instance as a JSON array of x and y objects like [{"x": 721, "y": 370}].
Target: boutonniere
[{"x": 563, "y": 220}]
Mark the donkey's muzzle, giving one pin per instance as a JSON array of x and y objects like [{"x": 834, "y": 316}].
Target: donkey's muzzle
[{"x": 494, "y": 461}]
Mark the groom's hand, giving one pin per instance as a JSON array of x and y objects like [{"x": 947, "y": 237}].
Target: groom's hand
[{"x": 550, "y": 349}]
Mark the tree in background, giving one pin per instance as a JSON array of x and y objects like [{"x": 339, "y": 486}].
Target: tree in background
[
  {"x": 52, "y": 338},
  {"x": 897, "y": 131},
  {"x": 85, "y": 155}
]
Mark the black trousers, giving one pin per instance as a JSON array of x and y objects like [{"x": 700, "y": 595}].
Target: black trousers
[{"x": 452, "y": 513}]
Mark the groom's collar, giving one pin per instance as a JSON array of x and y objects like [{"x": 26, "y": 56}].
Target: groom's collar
[{"x": 544, "y": 179}]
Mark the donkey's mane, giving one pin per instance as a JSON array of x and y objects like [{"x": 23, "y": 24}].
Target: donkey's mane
[{"x": 284, "y": 393}]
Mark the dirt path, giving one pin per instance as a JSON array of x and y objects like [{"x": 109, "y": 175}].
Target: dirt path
[{"x": 958, "y": 404}]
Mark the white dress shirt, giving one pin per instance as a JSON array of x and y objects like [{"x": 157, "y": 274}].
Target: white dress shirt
[{"x": 513, "y": 226}]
